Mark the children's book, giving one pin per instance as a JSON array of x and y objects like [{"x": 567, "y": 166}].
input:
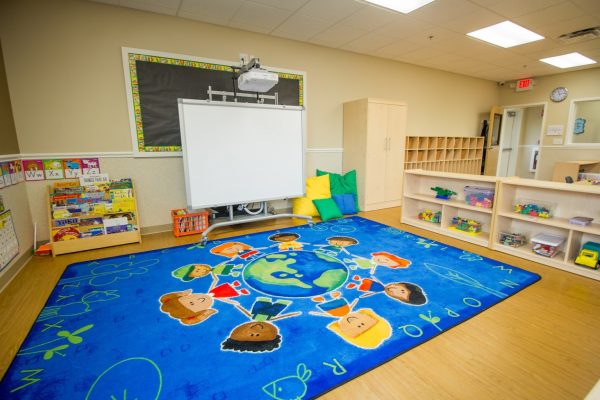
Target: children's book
[
  {"x": 53, "y": 169},
  {"x": 34, "y": 170}
]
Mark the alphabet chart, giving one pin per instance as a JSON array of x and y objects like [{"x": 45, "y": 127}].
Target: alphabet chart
[{"x": 9, "y": 246}]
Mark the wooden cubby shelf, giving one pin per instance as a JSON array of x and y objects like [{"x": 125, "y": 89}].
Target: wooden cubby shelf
[
  {"x": 565, "y": 200},
  {"x": 443, "y": 153}
]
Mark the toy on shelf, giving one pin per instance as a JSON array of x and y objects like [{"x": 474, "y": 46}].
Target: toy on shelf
[
  {"x": 546, "y": 245},
  {"x": 512, "y": 239},
  {"x": 442, "y": 193},
  {"x": 588, "y": 255},
  {"x": 479, "y": 196},
  {"x": 467, "y": 225},
  {"x": 535, "y": 210},
  {"x": 430, "y": 216}
]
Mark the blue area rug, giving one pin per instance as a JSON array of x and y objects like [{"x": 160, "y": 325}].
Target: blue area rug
[{"x": 286, "y": 314}]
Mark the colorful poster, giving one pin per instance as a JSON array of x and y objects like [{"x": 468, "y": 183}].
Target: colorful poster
[
  {"x": 12, "y": 169},
  {"x": 34, "y": 170},
  {"x": 72, "y": 168},
  {"x": 90, "y": 166},
  {"x": 19, "y": 167},
  {"x": 53, "y": 169},
  {"x": 6, "y": 173}
]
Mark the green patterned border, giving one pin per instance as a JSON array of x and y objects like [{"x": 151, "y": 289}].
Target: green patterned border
[{"x": 135, "y": 91}]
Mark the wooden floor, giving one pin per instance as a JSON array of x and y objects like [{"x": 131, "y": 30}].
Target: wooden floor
[{"x": 542, "y": 343}]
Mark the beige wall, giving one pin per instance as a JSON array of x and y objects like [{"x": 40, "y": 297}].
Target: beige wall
[
  {"x": 580, "y": 84},
  {"x": 65, "y": 74},
  {"x": 8, "y": 135}
]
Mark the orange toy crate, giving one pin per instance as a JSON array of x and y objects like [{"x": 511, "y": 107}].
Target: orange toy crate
[{"x": 189, "y": 223}]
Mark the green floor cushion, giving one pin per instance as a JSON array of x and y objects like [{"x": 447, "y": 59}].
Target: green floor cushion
[
  {"x": 342, "y": 184},
  {"x": 327, "y": 208}
]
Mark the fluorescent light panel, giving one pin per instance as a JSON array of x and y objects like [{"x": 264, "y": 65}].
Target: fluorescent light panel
[
  {"x": 506, "y": 34},
  {"x": 403, "y": 6},
  {"x": 568, "y": 60}
]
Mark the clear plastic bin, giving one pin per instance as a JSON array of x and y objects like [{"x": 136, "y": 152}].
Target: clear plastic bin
[
  {"x": 546, "y": 245},
  {"x": 534, "y": 208},
  {"x": 512, "y": 239},
  {"x": 467, "y": 225},
  {"x": 479, "y": 196}
]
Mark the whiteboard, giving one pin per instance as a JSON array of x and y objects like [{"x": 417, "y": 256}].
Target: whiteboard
[{"x": 235, "y": 153}]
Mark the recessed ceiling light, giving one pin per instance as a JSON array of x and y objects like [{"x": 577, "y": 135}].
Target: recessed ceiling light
[
  {"x": 403, "y": 6},
  {"x": 506, "y": 34},
  {"x": 568, "y": 60}
]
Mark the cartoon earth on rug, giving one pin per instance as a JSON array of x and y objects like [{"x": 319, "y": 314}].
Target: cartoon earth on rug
[{"x": 296, "y": 274}]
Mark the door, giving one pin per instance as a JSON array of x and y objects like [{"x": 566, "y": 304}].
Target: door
[
  {"x": 509, "y": 142},
  {"x": 377, "y": 121},
  {"x": 394, "y": 166},
  {"x": 493, "y": 139}
]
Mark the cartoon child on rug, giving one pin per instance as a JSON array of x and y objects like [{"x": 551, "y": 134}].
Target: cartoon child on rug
[
  {"x": 383, "y": 259},
  {"x": 233, "y": 250},
  {"x": 336, "y": 245},
  {"x": 192, "y": 308},
  {"x": 287, "y": 241},
  {"x": 259, "y": 335},
  {"x": 406, "y": 292},
  {"x": 361, "y": 328},
  {"x": 192, "y": 271}
]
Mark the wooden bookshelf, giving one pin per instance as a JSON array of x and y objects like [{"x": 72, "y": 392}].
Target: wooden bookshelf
[
  {"x": 565, "y": 200},
  {"x": 92, "y": 242},
  {"x": 444, "y": 153}
]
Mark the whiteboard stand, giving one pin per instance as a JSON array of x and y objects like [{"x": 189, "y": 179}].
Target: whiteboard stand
[{"x": 249, "y": 218}]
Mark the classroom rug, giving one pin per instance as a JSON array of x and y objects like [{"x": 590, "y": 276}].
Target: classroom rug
[{"x": 286, "y": 314}]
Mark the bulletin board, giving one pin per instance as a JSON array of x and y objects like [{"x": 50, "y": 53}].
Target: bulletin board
[
  {"x": 9, "y": 245},
  {"x": 155, "y": 80}
]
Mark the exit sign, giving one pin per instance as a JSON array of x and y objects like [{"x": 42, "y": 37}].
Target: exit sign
[{"x": 524, "y": 84}]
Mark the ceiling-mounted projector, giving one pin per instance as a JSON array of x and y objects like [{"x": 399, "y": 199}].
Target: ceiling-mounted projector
[{"x": 253, "y": 78}]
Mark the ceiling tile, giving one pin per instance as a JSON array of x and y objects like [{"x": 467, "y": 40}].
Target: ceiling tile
[
  {"x": 369, "y": 18},
  {"x": 260, "y": 16},
  {"x": 511, "y": 9},
  {"x": 589, "y": 6},
  {"x": 300, "y": 27},
  {"x": 337, "y": 35},
  {"x": 368, "y": 43},
  {"x": 472, "y": 21},
  {"x": 402, "y": 26},
  {"x": 396, "y": 49},
  {"x": 290, "y": 5},
  {"x": 420, "y": 55},
  {"x": 549, "y": 16},
  {"x": 209, "y": 11},
  {"x": 446, "y": 10},
  {"x": 570, "y": 25},
  {"x": 168, "y": 7},
  {"x": 330, "y": 10}
]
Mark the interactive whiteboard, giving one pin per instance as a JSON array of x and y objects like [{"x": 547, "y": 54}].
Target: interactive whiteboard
[{"x": 235, "y": 153}]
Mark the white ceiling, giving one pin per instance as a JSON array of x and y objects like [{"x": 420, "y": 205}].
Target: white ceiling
[{"x": 432, "y": 36}]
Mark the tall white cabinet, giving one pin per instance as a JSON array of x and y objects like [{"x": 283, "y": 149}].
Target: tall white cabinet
[{"x": 374, "y": 137}]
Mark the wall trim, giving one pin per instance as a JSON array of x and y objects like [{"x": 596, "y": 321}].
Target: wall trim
[
  {"x": 7, "y": 157},
  {"x": 572, "y": 147},
  {"x": 126, "y": 154}
]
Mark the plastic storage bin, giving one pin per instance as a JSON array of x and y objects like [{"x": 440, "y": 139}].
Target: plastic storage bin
[
  {"x": 512, "y": 239},
  {"x": 534, "y": 208},
  {"x": 430, "y": 216},
  {"x": 479, "y": 196},
  {"x": 189, "y": 223},
  {"x": 546, "y": 245},
  {"x": 466, "y": 225}
]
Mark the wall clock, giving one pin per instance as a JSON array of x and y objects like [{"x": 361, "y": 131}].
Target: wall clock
[{"x": 559, "y": 94}]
